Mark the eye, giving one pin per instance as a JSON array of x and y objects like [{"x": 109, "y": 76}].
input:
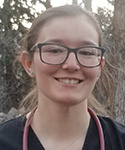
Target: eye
[
  {"x": 85, "y": 53},
  {"x": 88, "y": 51},
  {"x": 55, "y": 50}
]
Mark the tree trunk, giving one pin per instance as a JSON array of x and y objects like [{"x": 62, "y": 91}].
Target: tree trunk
[
  {"x": 75, "y": 2},
  {"x": 88, "y": 4},
  {"x": 118, "y": 34}
]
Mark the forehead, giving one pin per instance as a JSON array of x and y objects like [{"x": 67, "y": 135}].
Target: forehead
[{"x": 69, "y": 29}]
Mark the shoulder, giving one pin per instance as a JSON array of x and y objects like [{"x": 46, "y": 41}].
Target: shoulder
[
  {"x": 111, "y": 124},
  {"x": 114, "y": 132},
  {"x": 13, "y": 124},
  {"x": 11, "y": 133}
]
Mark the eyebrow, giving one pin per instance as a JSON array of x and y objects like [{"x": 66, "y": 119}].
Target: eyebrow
[
  {"x": 54, "y": 41},
  {"x": 88, "y": 43},
  {"x": 82, "y": 43}
]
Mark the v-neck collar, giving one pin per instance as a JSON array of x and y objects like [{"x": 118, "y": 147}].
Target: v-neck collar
[
  {"x": 91, "y": 140},
  {"x": 92, "y": 137}
]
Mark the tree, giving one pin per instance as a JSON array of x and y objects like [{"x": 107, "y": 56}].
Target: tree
[
  {"x": 75, "y": 2},
  {"x": 118, "y": 50},
  {"x": 12, "y": 30},
  {"x": 88, "y": 4},
  {"x": 113, "y": 26}
]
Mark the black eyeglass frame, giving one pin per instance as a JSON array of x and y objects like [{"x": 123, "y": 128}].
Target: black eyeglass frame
[{"x": 70, "y": 50}]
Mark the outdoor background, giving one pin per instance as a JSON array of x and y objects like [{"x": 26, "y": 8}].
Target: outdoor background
[{"x": 15, "y": 19}]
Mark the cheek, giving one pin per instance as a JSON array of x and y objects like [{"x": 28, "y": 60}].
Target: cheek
[
  {"x": 41, "y": 68},
  {"x": 91, "y": 73},
  {"x": 43, "y": 71},
  {"x": 46, "y": 70}
]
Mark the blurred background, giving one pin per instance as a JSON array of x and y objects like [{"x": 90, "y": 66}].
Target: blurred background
[{"x": 15, "y": 20}]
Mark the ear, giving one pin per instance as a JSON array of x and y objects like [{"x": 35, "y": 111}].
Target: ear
[
  {"x": 27, "y": 63},
  {"x": 101, "y": 67},
  {"x": 102, "y": 62}
]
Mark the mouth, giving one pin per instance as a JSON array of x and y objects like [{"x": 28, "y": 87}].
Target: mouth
[{"x": 69, "y": 81}]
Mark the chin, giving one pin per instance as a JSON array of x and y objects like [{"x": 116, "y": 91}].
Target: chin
[{"x": 69, "y": 101}]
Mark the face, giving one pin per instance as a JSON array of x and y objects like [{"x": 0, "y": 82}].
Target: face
[{"x": 69, "y": 83}]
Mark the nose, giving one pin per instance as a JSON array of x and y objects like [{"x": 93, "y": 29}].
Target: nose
[{"x": 71, "y": 63}]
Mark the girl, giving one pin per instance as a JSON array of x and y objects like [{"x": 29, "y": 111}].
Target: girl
[{"x": 63, "y": 54}]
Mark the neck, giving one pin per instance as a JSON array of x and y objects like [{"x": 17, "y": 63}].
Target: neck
[{"x": 59, "y": 120}]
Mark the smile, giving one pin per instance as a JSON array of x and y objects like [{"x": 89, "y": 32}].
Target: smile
[{"x": 69, "y": 81}]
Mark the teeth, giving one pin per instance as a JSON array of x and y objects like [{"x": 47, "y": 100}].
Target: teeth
[{"x": 69, "y": 81}]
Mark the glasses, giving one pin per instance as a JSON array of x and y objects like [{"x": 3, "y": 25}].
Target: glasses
[{"x": 56, "y": 54}]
